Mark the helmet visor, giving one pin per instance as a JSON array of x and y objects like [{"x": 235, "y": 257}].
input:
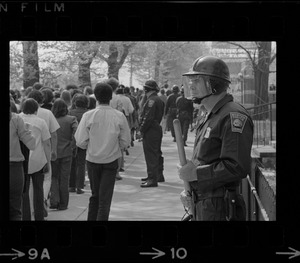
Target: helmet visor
[{"x": 195, "y": 86}]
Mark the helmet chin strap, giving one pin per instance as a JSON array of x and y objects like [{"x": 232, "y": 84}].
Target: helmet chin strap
[{"x": 199, "y": 100}]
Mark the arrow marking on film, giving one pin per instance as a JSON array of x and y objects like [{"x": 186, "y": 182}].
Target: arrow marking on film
[
  {"x": 18, "y": 254},
  {"x": 296, "y": 253},
  {"x": 157, "y": 254}
]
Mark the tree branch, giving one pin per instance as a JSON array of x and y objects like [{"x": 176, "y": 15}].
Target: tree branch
[
  {"x": 125, "y": 53},
  {"x": 272, "y": 58}
]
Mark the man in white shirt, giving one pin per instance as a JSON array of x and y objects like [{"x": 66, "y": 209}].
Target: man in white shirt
[
  {"x": 126, "y": 102},
  {"x": 53, "y": 126},
  {"x": 39, "y": 158},
  {"x": 103, "y": 131}
]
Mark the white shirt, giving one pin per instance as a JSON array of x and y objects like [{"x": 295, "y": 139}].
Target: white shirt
[
  {"x": 115, "y": 102},
  {"x": 49, "y": 118},
  {"x": 40, "y": 131},
  {"x": 103, "y": 132},
  {"x": 127, "y": 105}
]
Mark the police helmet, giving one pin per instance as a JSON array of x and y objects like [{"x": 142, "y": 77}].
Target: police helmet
[
  {"x": 210, "y": 66},
  {"x": 151, "y": 85}
]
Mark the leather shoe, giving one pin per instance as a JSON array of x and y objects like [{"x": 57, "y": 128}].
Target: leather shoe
[
  {"x": 161, "y": 180},
  {"x": 79, "y": 191},
  {"x": 149, "y": 184},
  {"x": 144, "y": 179},
  {"x": 72, "y": 189},
  {"x": 54, "y": 206}
]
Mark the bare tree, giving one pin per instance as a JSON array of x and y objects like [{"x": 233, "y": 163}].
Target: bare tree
[
  {"x": 260, "y": 62},
  {"x": 116, "y": 57}
]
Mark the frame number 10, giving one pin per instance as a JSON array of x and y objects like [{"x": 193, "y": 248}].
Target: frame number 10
[{"x": 179, "y": 253}]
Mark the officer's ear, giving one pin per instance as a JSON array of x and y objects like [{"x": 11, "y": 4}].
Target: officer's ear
[{"x": 208, "y": 86}]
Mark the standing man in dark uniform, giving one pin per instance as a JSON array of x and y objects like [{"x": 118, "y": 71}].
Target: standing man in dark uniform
[
  {"x": 151, "y": 131},
  {"x": 171, "y": 110},
  {"x": 221, "y": 157},
  {"x": 184, "y": 114}
]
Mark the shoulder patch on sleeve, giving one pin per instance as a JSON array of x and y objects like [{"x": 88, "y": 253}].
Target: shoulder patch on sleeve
[
  {"x": 238, "y": 121},
  {"x": 150, "y": 103}
]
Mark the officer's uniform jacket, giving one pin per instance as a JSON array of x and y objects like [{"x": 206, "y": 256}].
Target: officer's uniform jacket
[
  {"x": 171, "y": 103},
  {"x": 152, "y": 113},
  {"x": 184, "y": 107},
  {"x": 222, "y": 151}
]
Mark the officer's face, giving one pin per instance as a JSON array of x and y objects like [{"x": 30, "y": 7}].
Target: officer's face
[{"x": 199, "y": 87}]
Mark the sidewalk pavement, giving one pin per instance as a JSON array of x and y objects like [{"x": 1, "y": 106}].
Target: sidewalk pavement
[{"x": 131, "y": 202}]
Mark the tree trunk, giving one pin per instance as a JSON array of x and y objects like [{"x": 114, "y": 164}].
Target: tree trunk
[
  {"x": 131, "y": 70},
  {"x": 157, "y": 63},
  {"x": 261, "y": 76},
  {"x": 87, "y": 52},
  {"x": 84, "y": 75},
  {"x": 112, "y": 61},
  {"x": 31, "y": 71}
]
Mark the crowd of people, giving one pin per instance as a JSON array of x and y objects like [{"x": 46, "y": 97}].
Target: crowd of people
[
  {"x": 55, "y": 135},
  {"x": 49, "y": 136}
]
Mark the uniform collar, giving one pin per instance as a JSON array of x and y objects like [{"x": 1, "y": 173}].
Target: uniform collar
[
  {"x": 150, "y": 94},
  {"x": 227, "y": 98}
]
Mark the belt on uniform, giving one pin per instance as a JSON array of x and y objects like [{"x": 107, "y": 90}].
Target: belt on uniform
[{"x": 219, "y": 192}]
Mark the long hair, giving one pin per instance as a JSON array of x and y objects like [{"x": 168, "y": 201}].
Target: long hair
[
  {"x": 59, "y": 108},
  {"x": 66, "y": 96}
]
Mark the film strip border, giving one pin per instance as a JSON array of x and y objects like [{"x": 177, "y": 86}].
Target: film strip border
[
  {"x": 146, "y": 21},
  {"x": 88, "y": 242},
  {"x": 140, "y": 241}
]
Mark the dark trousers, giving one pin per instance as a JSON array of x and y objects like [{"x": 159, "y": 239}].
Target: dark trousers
[
  {"x": 61, "y": 169},
  {"x": 152, "y": 150},
  {"x": 184, "y": 123},
  {"x": 170, "y": 118},
  {"x": 16, "y": 184},
  {"x": 77, "y": 174},
  {"x": 38, "y": 196},
  {"x": 102, "y": 182}
]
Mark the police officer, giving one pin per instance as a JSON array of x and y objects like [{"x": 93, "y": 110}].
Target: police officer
[
  {"x": 151, "y": 131},
  {"x": 221, "y": 156},
  {"x": 184, "y": 114},
  {"x": 171, "y": 110}
]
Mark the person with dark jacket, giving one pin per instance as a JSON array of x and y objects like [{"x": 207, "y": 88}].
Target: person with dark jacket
[
  {"x": 171, "y": 110},
  {"x": 184, "y": 114},
  {"x": 77, "y": 175},
  {"x": 61, "y": 167},
  {"x": 151, "y": 132},
  {"x": 222, "y": 151}
]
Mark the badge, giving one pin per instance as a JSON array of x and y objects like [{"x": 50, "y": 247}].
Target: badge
[
  {"x": 238, "y": 121},
  {"x": 150, "y": 103},
  {"x": 207, "y": 132}
]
